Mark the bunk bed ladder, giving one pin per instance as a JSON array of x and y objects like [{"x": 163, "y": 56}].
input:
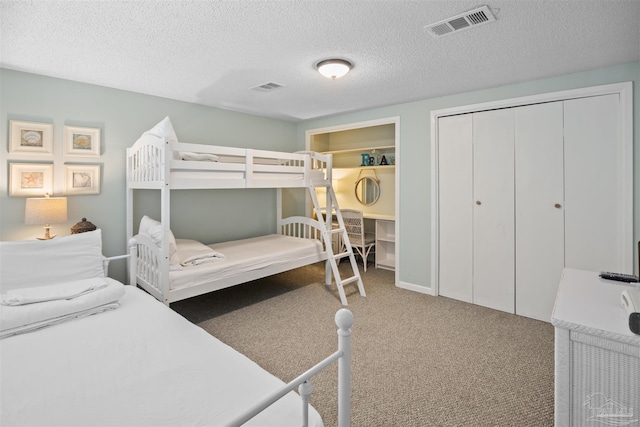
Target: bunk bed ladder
[{"x": 344, "y": 247}]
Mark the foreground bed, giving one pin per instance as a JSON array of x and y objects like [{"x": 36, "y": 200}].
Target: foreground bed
[{"x": 138, "y": 363}]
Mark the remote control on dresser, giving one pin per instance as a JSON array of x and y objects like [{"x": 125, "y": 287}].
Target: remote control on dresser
[{"x": 619, "y": 277}]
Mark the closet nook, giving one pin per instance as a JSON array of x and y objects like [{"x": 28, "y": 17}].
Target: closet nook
[{"x": 365, "y": 157}]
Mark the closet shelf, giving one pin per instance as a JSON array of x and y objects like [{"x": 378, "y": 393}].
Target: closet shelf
[
  {"x": 363, "y": 167},
  {"x": 359, "y": 150}
]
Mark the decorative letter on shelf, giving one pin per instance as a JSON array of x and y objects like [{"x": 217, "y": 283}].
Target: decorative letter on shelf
[{"x": 377, "y": 159}]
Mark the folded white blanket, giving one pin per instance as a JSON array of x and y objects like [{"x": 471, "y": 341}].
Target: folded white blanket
[
  {"x": 50, "y": 322},
  {"x": 53, "y": 292},
  {"x": 15, "y": 319},
  {"x": 200, "y": 157},
  {"x": 192, "y": 252}
]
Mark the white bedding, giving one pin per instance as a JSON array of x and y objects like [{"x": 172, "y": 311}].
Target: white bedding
[
  {"x": 197, "y": 157},
  {"x": 139, "y": 365},
  {"x": 60, "y": 291},
  {"x": 53, "y": 308},
  {"x": 193, "y": 252},
  {"x": 245, "y": 255}
]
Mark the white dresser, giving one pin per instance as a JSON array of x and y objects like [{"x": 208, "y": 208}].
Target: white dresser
[{"x": 597, "y": 357}]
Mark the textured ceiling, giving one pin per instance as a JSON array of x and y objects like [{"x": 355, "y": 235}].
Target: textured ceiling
[{"x": 213, "y": 52}]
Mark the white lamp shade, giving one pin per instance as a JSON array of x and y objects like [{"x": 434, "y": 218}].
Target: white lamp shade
[
  {"x": 45, "y": 210},
  {"x": 334, "y": 68}
]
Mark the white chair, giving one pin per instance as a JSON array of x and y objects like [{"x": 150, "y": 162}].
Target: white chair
[{"x": 361, "y": 241}]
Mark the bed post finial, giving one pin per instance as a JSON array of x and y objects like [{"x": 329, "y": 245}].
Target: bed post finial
[{"x": 344, "y": 321}]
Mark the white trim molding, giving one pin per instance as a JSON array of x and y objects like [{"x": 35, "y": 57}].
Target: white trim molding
[{"x": 415, "y": 288}]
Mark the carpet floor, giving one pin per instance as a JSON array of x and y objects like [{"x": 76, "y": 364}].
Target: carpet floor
[{"x": 417, "y": 360}]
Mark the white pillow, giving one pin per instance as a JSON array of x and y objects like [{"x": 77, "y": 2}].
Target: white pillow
[
  {"x": 31, "y": 263},
  {"x": 197, "y": 157},
  {"x": 164, "y": 129},
  {"x": 153, "y": 229}
]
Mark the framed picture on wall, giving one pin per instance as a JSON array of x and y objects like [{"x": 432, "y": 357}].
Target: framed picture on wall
[
  {"x": 81, "y": 179},
  {"x": 80, "y": 141},
  {"x": 31, "y": 137},
  {"x": 30, "y": 179}
]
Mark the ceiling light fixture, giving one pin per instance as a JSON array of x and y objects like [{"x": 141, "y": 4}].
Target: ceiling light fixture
[{"x": 334, "y": 68}]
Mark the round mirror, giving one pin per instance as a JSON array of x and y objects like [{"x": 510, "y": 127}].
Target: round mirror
[{"x": 367, "y": 190}]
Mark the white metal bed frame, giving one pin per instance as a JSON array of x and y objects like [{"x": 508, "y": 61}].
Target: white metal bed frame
[
  {"x": 152, "y": 163},
  {"x": 343, "y": 319}
]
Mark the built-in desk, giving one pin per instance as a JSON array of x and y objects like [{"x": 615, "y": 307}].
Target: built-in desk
[
  {"x": 378, "y": 216},
  {"x": 597, "y": 357},
  {"x": 384, "y": 227}
]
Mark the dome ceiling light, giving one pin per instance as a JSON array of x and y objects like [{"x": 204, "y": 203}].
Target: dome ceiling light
[{"x": 334, "y": 68}]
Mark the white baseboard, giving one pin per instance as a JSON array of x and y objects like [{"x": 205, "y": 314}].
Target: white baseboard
[{"x": 416, "y": 288}]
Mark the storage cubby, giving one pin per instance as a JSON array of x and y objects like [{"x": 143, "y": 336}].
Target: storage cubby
[{"x": 385, "y": 244}]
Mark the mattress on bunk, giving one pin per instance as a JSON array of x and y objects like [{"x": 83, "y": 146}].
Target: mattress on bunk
[
  {"x": 213, "y": 174},
  {"x": 245, "y": 255}
]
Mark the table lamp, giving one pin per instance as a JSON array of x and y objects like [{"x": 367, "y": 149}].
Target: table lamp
[{"x": 45, "y": 210}]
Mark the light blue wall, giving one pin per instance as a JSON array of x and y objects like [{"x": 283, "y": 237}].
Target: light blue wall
[
  {"x": 415, "y": 139},
  {"x": 123, "y": 116}
]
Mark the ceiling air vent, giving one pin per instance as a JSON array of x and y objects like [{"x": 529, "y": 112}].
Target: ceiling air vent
[
  {"x": 464, "y": 21},
  {"x": 267, "y": 87}
]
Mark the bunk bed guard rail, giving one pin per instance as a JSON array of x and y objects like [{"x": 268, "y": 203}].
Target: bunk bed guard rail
[{"x": 151, "y": 160}]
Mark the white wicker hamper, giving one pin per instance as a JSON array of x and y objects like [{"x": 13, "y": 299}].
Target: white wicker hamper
[{"x": 597, "y": 357}]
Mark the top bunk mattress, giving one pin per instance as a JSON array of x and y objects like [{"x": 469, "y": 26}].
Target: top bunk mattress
[
  {"x": 245, "y": 255},
  {"x": 217, "y": 172}
]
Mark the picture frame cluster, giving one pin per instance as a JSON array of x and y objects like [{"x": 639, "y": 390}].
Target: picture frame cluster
[{"x": 33, "y": 140}]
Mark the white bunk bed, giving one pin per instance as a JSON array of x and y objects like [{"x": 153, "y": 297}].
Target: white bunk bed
[{"x": 158, "y": 161}]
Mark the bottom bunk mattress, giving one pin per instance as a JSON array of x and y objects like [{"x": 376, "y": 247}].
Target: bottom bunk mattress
[
  {"x": 138, "y": 365},
  {"x": 241, "y": 256}
]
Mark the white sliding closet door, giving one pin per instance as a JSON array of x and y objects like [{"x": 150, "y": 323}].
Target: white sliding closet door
[
  {"x": 527, "y": 190},
  {"x": 493, "y": 209},
  {"x": 539, "y": 207},
  {"x": 455, "y": 195},
  {"x": 593, "y": 184}
]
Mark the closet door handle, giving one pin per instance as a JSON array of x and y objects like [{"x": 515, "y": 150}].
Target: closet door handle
[
  {"x": 558, "y": 205},
  {"x": 478, "y": 202}
]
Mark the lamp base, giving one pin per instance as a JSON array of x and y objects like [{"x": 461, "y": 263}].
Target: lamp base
[{"x": 47, "y": 234}]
